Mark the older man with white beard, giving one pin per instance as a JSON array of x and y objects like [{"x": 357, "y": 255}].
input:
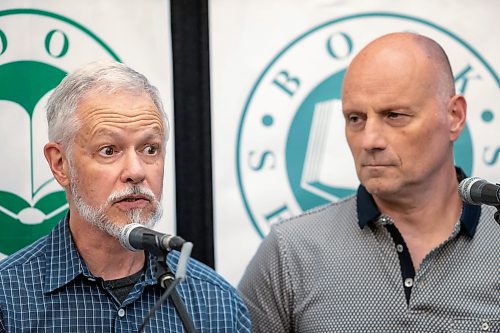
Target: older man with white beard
[{"x": 107, "y": 133}]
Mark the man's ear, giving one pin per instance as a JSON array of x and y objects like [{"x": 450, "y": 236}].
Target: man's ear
[
  {"x": 58, "y": 163},
  {"x": 457, "y": 112}
]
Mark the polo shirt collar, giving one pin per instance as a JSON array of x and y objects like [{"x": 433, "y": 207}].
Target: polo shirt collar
[{"x": 368, "y": 211}]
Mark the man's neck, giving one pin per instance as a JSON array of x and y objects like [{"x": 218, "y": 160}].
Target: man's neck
[
  {"x": 426, "y": 218},
  {"x": 103, "y": 254}
]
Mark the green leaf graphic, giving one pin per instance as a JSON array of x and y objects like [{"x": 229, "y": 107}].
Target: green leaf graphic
[
  {"x": 12, "y": 202},
  {"x": 51, "y": 202},
  {"x": 16, "y": 235}
]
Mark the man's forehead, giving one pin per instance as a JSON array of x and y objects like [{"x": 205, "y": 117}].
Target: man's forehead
[{"x": 118, "y": 102}]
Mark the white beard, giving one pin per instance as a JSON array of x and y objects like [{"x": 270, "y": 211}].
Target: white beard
[{"x": 96, "y": 216}]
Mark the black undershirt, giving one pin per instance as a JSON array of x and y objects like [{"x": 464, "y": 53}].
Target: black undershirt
[{"x": 120, "y": 288}]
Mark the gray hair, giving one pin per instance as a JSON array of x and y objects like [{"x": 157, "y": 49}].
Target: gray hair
[{"x": 100, "y": 77}]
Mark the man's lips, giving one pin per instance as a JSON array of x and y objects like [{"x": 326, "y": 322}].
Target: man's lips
[
  {"x": 132, "y": 201},
  {"x": 376, "y": 167},
  {"x": 372, "y": 165}
]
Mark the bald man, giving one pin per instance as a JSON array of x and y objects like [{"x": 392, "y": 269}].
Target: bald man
[{"x": 404, "y": 254}]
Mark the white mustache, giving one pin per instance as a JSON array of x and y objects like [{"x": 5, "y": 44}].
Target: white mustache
[{"x": 132, "y": 191}]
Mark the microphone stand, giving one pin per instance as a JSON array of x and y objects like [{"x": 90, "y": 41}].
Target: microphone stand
[{"x": 168, "y": 281}]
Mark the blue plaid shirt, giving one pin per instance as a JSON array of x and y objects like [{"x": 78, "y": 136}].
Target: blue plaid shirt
[{"x": 47, "y": 287}]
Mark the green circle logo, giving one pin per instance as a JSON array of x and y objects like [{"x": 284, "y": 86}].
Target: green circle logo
[
  {"x": 291, "y": 151},
  {"x": 31, "y": 201}
]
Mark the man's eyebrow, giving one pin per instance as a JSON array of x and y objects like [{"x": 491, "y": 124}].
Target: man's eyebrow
[
  {"x": 153, "y": 135},
  {"x": 157, "y": 133},
  {"x": 391, "y": 108},
  {"x": 104, "y": 132},
  {"x": 351, "y": 110}
]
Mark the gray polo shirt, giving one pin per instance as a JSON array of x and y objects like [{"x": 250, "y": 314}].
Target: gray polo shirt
[{"x": 340, "y": 268}]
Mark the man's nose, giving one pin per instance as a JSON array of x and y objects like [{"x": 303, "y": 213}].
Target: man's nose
[
  {"x": 374, "y": 136},
  {"x": 133, "y": 168}
]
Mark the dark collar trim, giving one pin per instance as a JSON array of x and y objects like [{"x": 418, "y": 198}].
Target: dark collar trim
[
  {"x": 366, "y": 207},
  {"x": 470, "y": 218}
]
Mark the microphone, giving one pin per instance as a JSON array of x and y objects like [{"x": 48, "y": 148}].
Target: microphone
[
  {"x": 477, "y": 191},
  {"x": 135, "y": 237}
]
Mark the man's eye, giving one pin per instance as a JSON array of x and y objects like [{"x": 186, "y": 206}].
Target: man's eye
[
  {"x": 353, "y": 118},
  {"x": 107, "y": 151},
  {"x": 394, "y": 115},
  {"x": 151, "y": 150}
]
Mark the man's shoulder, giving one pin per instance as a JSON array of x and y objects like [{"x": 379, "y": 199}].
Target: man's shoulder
[
  {"x": 32, "y": 254},
  {"x": 325, "y": 217},
  {"x": 205, "y": 289},
  {"x": 200, "y": 272}
]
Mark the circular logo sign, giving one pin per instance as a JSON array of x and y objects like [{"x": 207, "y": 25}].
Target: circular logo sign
[
  {"x": 31, "y": 201},
  {"x": 291, "y": 151}
]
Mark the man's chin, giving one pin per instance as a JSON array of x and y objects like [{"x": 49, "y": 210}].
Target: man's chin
[
  {"x": 145, "y": 216},
  {"x": 123, "y": 220},
  {"x": 381, "y": 187}
]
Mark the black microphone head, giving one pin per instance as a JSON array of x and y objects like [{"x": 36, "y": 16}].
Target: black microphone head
[
  {"x": 124, "y": 237},
  {"x": 465, "y": 189}
]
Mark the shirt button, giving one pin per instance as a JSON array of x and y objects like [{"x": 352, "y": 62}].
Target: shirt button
[
  {"x": 399, "y": 248},
  {"x": 409, "y": 282},
  {"x": 121, "y": 313},
  {"x": 485, "y": 326}
]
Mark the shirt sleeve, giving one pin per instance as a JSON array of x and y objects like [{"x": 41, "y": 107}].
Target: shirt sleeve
[
  {"x": 266, "y": 287},
  {"x": 243, "y": 323}
]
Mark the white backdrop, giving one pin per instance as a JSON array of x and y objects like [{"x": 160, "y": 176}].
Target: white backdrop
[
  {"x": 276, "y": 68},
  {"x": 39, "y": 41},
  {"x": 278, "y": 144}
]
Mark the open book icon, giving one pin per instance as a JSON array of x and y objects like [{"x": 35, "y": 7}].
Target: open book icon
[
  {"x": 329, "y": 170},
  {"x": 31, "y": 201}
]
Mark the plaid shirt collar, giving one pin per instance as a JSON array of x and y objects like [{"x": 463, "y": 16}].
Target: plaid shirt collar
[
  {"x": 64, "y": 263},
  {"x": 368, "y": 212}
]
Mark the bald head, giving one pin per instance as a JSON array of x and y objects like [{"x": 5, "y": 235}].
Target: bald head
[
  {"x": 409, "y": 55},
  {"x": 402, "y": 116}
]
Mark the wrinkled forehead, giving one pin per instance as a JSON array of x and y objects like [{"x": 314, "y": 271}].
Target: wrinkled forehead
[
  {"x": 118, "y": 101},
  {"x": 120, "y": 109}
]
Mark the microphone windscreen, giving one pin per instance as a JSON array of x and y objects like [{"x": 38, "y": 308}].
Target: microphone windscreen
[
  {"x": 464, "y": 189},
  {"x": 124, "y": 237}
]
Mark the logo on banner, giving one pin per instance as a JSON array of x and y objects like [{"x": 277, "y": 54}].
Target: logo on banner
[
  {"x": 31, "y": 201},
  {"x": 291, "y": 152}
]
